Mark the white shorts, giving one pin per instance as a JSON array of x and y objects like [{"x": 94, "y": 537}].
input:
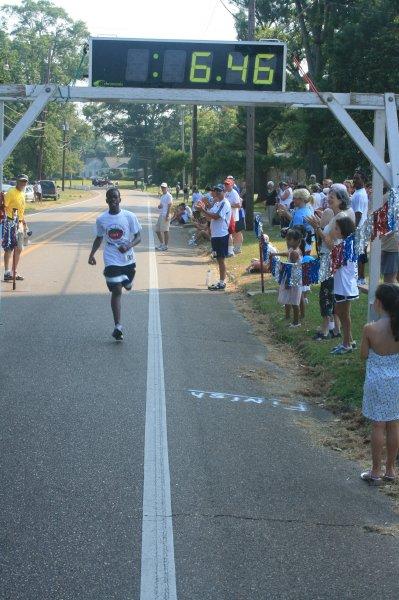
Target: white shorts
[{"x": 162, "y": 224}]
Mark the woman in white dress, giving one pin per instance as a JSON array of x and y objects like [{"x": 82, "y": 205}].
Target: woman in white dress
[{"x": 380, "y": 347}]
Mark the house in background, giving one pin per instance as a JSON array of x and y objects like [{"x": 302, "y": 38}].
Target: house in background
[
  {"x": 113, "y": 163},
  {"x": 92, "y": 167}
]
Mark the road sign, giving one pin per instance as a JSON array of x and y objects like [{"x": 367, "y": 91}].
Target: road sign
[{"x": 256, "y": 66}]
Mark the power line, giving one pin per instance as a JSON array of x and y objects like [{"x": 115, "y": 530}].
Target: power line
[{"x": 228, "y": 10}]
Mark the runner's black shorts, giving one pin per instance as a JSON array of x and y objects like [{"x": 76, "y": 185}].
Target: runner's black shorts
[{"x": 120, "y": 275}]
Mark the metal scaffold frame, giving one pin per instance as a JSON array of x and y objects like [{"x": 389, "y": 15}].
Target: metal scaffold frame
[{"x": 384, "y": 106}]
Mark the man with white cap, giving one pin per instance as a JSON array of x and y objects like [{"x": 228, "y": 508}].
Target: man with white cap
[{"x": 163, "y": 224}]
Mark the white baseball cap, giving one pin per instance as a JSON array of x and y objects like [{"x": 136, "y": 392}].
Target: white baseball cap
[{"x": 164, "y": 184}]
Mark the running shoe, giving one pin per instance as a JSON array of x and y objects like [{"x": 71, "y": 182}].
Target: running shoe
[
  {"x": 341, "y": 350},
  {"x": 8, "y": 277},
  {"x": 117, "y": 334},
  {"x": 217, "y": 286}
]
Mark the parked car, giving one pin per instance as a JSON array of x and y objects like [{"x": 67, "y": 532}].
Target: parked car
[
  {"x": 29, "y": 193},
  {"x": 6, "y": 187},
  {"x": 49, "y": 189},
  {"x": 100, "y": 182}
]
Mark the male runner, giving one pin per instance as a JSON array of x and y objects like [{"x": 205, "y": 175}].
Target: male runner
[{"x": 121, "y": 230}]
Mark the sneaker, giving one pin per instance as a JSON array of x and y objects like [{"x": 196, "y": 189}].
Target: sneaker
[
  {"x": 354, "y": 345},
  {"x": 19, "y": 277},
  {"x": 335, "y": 335},
  {"x": 294, "y": 325},
  {"x": 319, "y": 336},
  {"x": 117, "y": 334},
  {"x": 341, "y": 350},
  {"x": 230, "y": 254},
  {"x": 217, "y": 286},
  {"x": 159, "y": 248},
  {"x": 336, "y": 348},
  {"x": 8, "y": 277},
  {"x": 237, "y": 251}
]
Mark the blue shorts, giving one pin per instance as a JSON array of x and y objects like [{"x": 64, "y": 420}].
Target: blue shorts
[
  {"x": 220, "y": 245},
  {"x": 117, "y": 275}
]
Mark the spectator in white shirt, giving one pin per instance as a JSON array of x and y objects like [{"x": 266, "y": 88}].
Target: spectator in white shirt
[
  {"x": 231, "y": 194},
  {"x": 163, "y": 224},
  {"x": 219, "y": 217},
  {"x": 360, "y": 206}
]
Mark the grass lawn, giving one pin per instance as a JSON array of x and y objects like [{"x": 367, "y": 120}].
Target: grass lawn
[
  {"x": 344, "y": 375},
  {"x": 66, "y": 197}
]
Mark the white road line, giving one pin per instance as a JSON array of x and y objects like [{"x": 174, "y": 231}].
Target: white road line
[{"x": 158, "y": 577}]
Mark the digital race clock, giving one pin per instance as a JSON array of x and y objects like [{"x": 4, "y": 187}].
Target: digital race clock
[{"x": 187, "y": 64}]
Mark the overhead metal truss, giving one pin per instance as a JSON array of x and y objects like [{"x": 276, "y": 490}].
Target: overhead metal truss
[
  {"x": 384, "y": 106},
  {"x": 338, "y": 104}
]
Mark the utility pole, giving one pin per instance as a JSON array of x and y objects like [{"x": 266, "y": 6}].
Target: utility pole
[
  {"x": 250, "y": 145},
  {"x": 194, "y": 151},
  {"x": 1, "y": 140},
  {"x": 65, "y": 129},
  {"x": 183, "y": 144}
]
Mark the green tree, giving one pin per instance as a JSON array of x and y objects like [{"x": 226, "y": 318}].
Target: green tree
[{"x": 41, "y": 43}]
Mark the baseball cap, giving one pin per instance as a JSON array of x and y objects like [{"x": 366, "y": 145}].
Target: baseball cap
[
  {"x": 22, "y": 177},
  {"x": 338, "y": 187},
  {"x": 230, "y": 177},
  {"x": 164, "y": 184},
  {"x": 218, "y": 188}
]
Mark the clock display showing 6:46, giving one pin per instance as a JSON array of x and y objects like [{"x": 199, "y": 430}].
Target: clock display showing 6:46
[{"x": 188, "y": 65}]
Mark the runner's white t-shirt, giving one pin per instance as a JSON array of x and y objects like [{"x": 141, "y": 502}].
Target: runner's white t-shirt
[
  {"x": 360, "y": 203},
  {"x": 234, "y": 198},
  {"x": 165, "y": 200},
  {"x": 117, "y": 230},
  {"x": 220, "y": 227}
]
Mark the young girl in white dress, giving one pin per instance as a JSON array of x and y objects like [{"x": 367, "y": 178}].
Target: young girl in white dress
[
  {"x": 380, "y": 347},
  {"x": 290, "y": 295}
]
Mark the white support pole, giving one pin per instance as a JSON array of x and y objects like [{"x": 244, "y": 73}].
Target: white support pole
[
  {"x": 357, "y": 135},
  {"x": 1, "y": 141},
  {"x": 393, "y": 136},
  {"x": 25, "y": 122},
  {"x": 378, "y": 185}
]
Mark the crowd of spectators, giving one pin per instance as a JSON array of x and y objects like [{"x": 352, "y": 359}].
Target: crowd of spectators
[
  {"x": 218, "y": 216},
  {"x": 313, "y": 218}
]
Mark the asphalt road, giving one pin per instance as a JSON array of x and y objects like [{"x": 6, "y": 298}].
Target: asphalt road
[{"x": 257, "y": 511}]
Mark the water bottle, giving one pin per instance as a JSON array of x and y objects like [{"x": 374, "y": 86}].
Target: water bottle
[{"x": 208, "y": 278}]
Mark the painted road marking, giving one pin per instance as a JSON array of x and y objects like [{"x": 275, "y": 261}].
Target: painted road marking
[
  {"x": 300, "y": 407},
  {"x": 158, "y": 576}
]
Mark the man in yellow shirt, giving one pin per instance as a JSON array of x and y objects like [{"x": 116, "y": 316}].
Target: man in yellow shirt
[{"x": 14, "y": 200}]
